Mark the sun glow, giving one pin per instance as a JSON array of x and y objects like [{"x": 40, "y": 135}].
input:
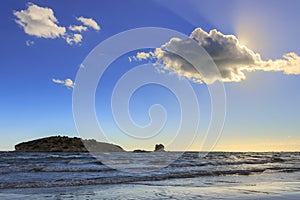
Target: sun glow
[{"x": 251, "y": 34}]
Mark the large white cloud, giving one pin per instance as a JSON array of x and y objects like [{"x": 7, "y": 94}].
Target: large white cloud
[
  {"x": 89, "y": 22},
  {"x": 39, "y": 22},
  {"x": 231, "y": 58},
  {"x": 68, "y": 82}
]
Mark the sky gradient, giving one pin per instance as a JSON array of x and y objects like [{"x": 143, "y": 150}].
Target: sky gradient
[{"x": 263, "y": 110}]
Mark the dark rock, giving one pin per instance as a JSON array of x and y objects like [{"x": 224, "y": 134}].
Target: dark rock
[
  {"x": 159, "y": 147},
  {"x": 66, "y": 144},
  {"x": 140, "y": 151}
]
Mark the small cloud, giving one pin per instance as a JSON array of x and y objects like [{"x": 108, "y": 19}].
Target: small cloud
[
  {"x": 39, "y": 22},
  {"x": 81, "y": 66},
  {"x": 132, "y": 58},
  {"x": 74, "y": 38},
  {"x": 78, "y": 28},
  {"x": 42, "y": 23},
  {"x": 29, "y": 43},
  {"x": 89, "y": 22},
  {"x": 144, "y": 55},
  {"x": 58, "y": 81},
  {"x": 68, "y": 82}
]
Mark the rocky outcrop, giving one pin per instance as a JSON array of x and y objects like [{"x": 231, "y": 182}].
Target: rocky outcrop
[
  {"x": 159, "y": 147},
  {"x": 66, "y": 144},
  {"x": 140, "y": 151}
]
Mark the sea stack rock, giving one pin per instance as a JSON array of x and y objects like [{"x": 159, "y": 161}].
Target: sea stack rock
[
  {"x": 159, "y": 147},
  {"x": 65, "y": 144}
]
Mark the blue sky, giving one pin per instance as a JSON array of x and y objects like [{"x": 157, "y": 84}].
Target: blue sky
[{"x": 263, "y": 110}]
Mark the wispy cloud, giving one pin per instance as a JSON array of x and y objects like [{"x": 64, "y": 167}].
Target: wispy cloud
[
  {"x": 42, "y": 23},
  {"x": 231, "y": 58},
  {"x": 89, "y": 22},
  {"x": 29, "y": 43},
  {"x": 81, "y": 66},
  {"x": 67, "y": 82},
  {"x": 78, "y": 28}
]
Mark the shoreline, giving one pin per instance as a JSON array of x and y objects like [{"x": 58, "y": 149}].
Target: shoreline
[
  {"x": 149, "y": 151},
  {"x": 161, "y": 189}
]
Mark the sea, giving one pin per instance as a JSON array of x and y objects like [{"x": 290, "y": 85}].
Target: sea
[{"x": 155, "y": 175}]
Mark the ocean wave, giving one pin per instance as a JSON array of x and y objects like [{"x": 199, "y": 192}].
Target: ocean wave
[
  {"x": 138, "y": 178},
  {"x": 59, "y": 170},
  {"x": 75, "y": 169}
]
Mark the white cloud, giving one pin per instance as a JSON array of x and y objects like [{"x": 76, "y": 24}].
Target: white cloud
[
  {"x": 74, "y": 39},
  {"x": 78, "y": 28},
  {"x": 89, "y": 22},
  {"x": 39, "y": 22},
  {"x": 144, "y": 55},
  {"x": 58, "y": 81},
  {"x": 289, "y": 64},
  {"x": 133, "y": 58},
  {"x": 81, "y": 66},
  {"x": 68, "y": 82},
  {"x": 29, "y": 43},
  {"x": 141, "y": 56},
  {"x": 231, "y": 58}
]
